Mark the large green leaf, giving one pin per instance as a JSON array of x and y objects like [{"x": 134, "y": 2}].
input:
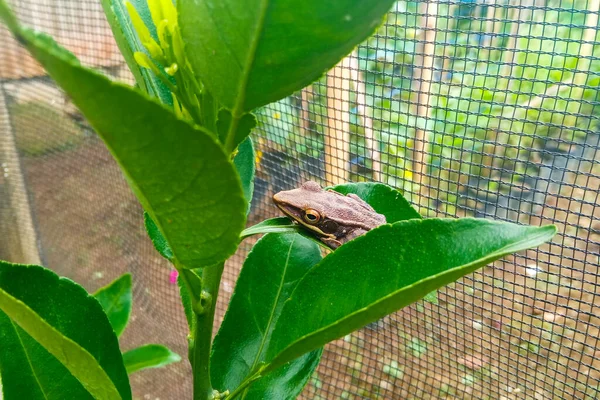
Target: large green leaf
[
  {"x": 383, "y": 198},
  {"x": 129, "y": 43},
  {"x": 180, "y": 174},
  {"x": 272, "y": 270},
  {"x": 385, "y": 270},
  {"x": 115, "y": 299},
  {"x": 253, "y": 52},
  {"x": 148, "y": 356},
  {"x": 55, "y": 339},
  {"x": 387, "y": 201}
]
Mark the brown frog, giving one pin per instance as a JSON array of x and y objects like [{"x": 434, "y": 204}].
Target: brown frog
[{"x": 334, "y": 218}]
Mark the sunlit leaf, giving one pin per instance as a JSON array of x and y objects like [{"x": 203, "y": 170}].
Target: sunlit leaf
[
  {"x": 57, "y": 342},
  {"x": 149, "y": 356},
  {"x": 115, "y": 298}
]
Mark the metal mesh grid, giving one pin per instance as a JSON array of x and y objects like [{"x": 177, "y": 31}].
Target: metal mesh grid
[{"x": 471, "y": 108}]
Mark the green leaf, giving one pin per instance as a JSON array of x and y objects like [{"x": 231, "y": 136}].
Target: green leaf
[
  {"x": 287, "y": 381},
  {"x": 186, "y": 301},
  {"x": 263, "y": 50},
  {"x": 387, "y": 269},
  {"x": 129, "y": 43},
  {"x": 272, "y": 225},
  {"x": 281, "y": 225},
  {"x": 184, "y": 198},
  {"x": 389, "y": 202},
  {"x": 269, "y": 275},
  {"x": 244, "y": 163},
  {"x": 384, "y": 199},
  {"x": 148, "y": 356},
  {"x": 115, "y": 299},
  {"x": 158, "y": 240},
  {"x": 245, "y": 125},
  {"x": 56, "y": 339}
]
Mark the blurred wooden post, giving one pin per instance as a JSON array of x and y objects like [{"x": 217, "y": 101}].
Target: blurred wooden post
[
  {"x": 371, "y": 142},
  {"x": 519, "y": 17},
  {"x": 337, "y": 134},
  {"x": 422, "y": 80},
  {"x": 586, "y": 51},
  {"x": 22, "y": 247},
  {"x": 449, "y": 50},
  {"x": 306, "y": 95},
  {"x": 587, "y": 46},
  {"x": 494, "y": 15}
]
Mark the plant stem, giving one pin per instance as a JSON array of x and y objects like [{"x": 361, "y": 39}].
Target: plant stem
[
  {"x": 230, "y": 139},
  {"x": 202, "y": 332}
]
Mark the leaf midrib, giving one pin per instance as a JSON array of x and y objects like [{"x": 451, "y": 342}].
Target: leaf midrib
[
  {"x": 274, "y": 307},
  {"x": 33, "y": 371},
  {"x": 247, "y": 67}
]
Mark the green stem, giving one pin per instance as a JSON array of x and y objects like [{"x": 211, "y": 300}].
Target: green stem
[
  {"x": 202, "y": 331},
  {"x": 230, "y": 140}
]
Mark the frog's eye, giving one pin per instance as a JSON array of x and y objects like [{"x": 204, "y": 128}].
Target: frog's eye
[{"x": 311, "y": 216}]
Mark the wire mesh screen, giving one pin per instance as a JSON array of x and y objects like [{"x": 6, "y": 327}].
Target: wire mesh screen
[{"x": 485, "y": 108}]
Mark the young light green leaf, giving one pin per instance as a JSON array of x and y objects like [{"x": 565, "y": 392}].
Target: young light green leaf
[
  {"x": 185, "y": 198},
  {"x": 272, "y": 270},
  {"x": 272, "y": 225},
  {"x": 244, "y": 163},
  {"x": 263, "y": 50},
  {"x": 149, "y": 356},
  {"x": 115, "y": 298},
  {"x": 387, "y": 269},
  {"x": 383, "y": 198},
  {"x": 129, "y": 43},
  {"x": 56, "y": 339}
]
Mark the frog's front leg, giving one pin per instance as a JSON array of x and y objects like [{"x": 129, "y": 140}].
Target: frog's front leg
[
  {"x": 351, "y": 234},
  {"x": 332, "y": 242}
]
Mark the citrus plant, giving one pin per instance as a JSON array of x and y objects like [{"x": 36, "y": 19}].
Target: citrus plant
[{"x": 182, "y": 139}]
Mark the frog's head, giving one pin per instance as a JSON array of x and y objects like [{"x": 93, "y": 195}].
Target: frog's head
[{"x": 304, "y": 205}]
